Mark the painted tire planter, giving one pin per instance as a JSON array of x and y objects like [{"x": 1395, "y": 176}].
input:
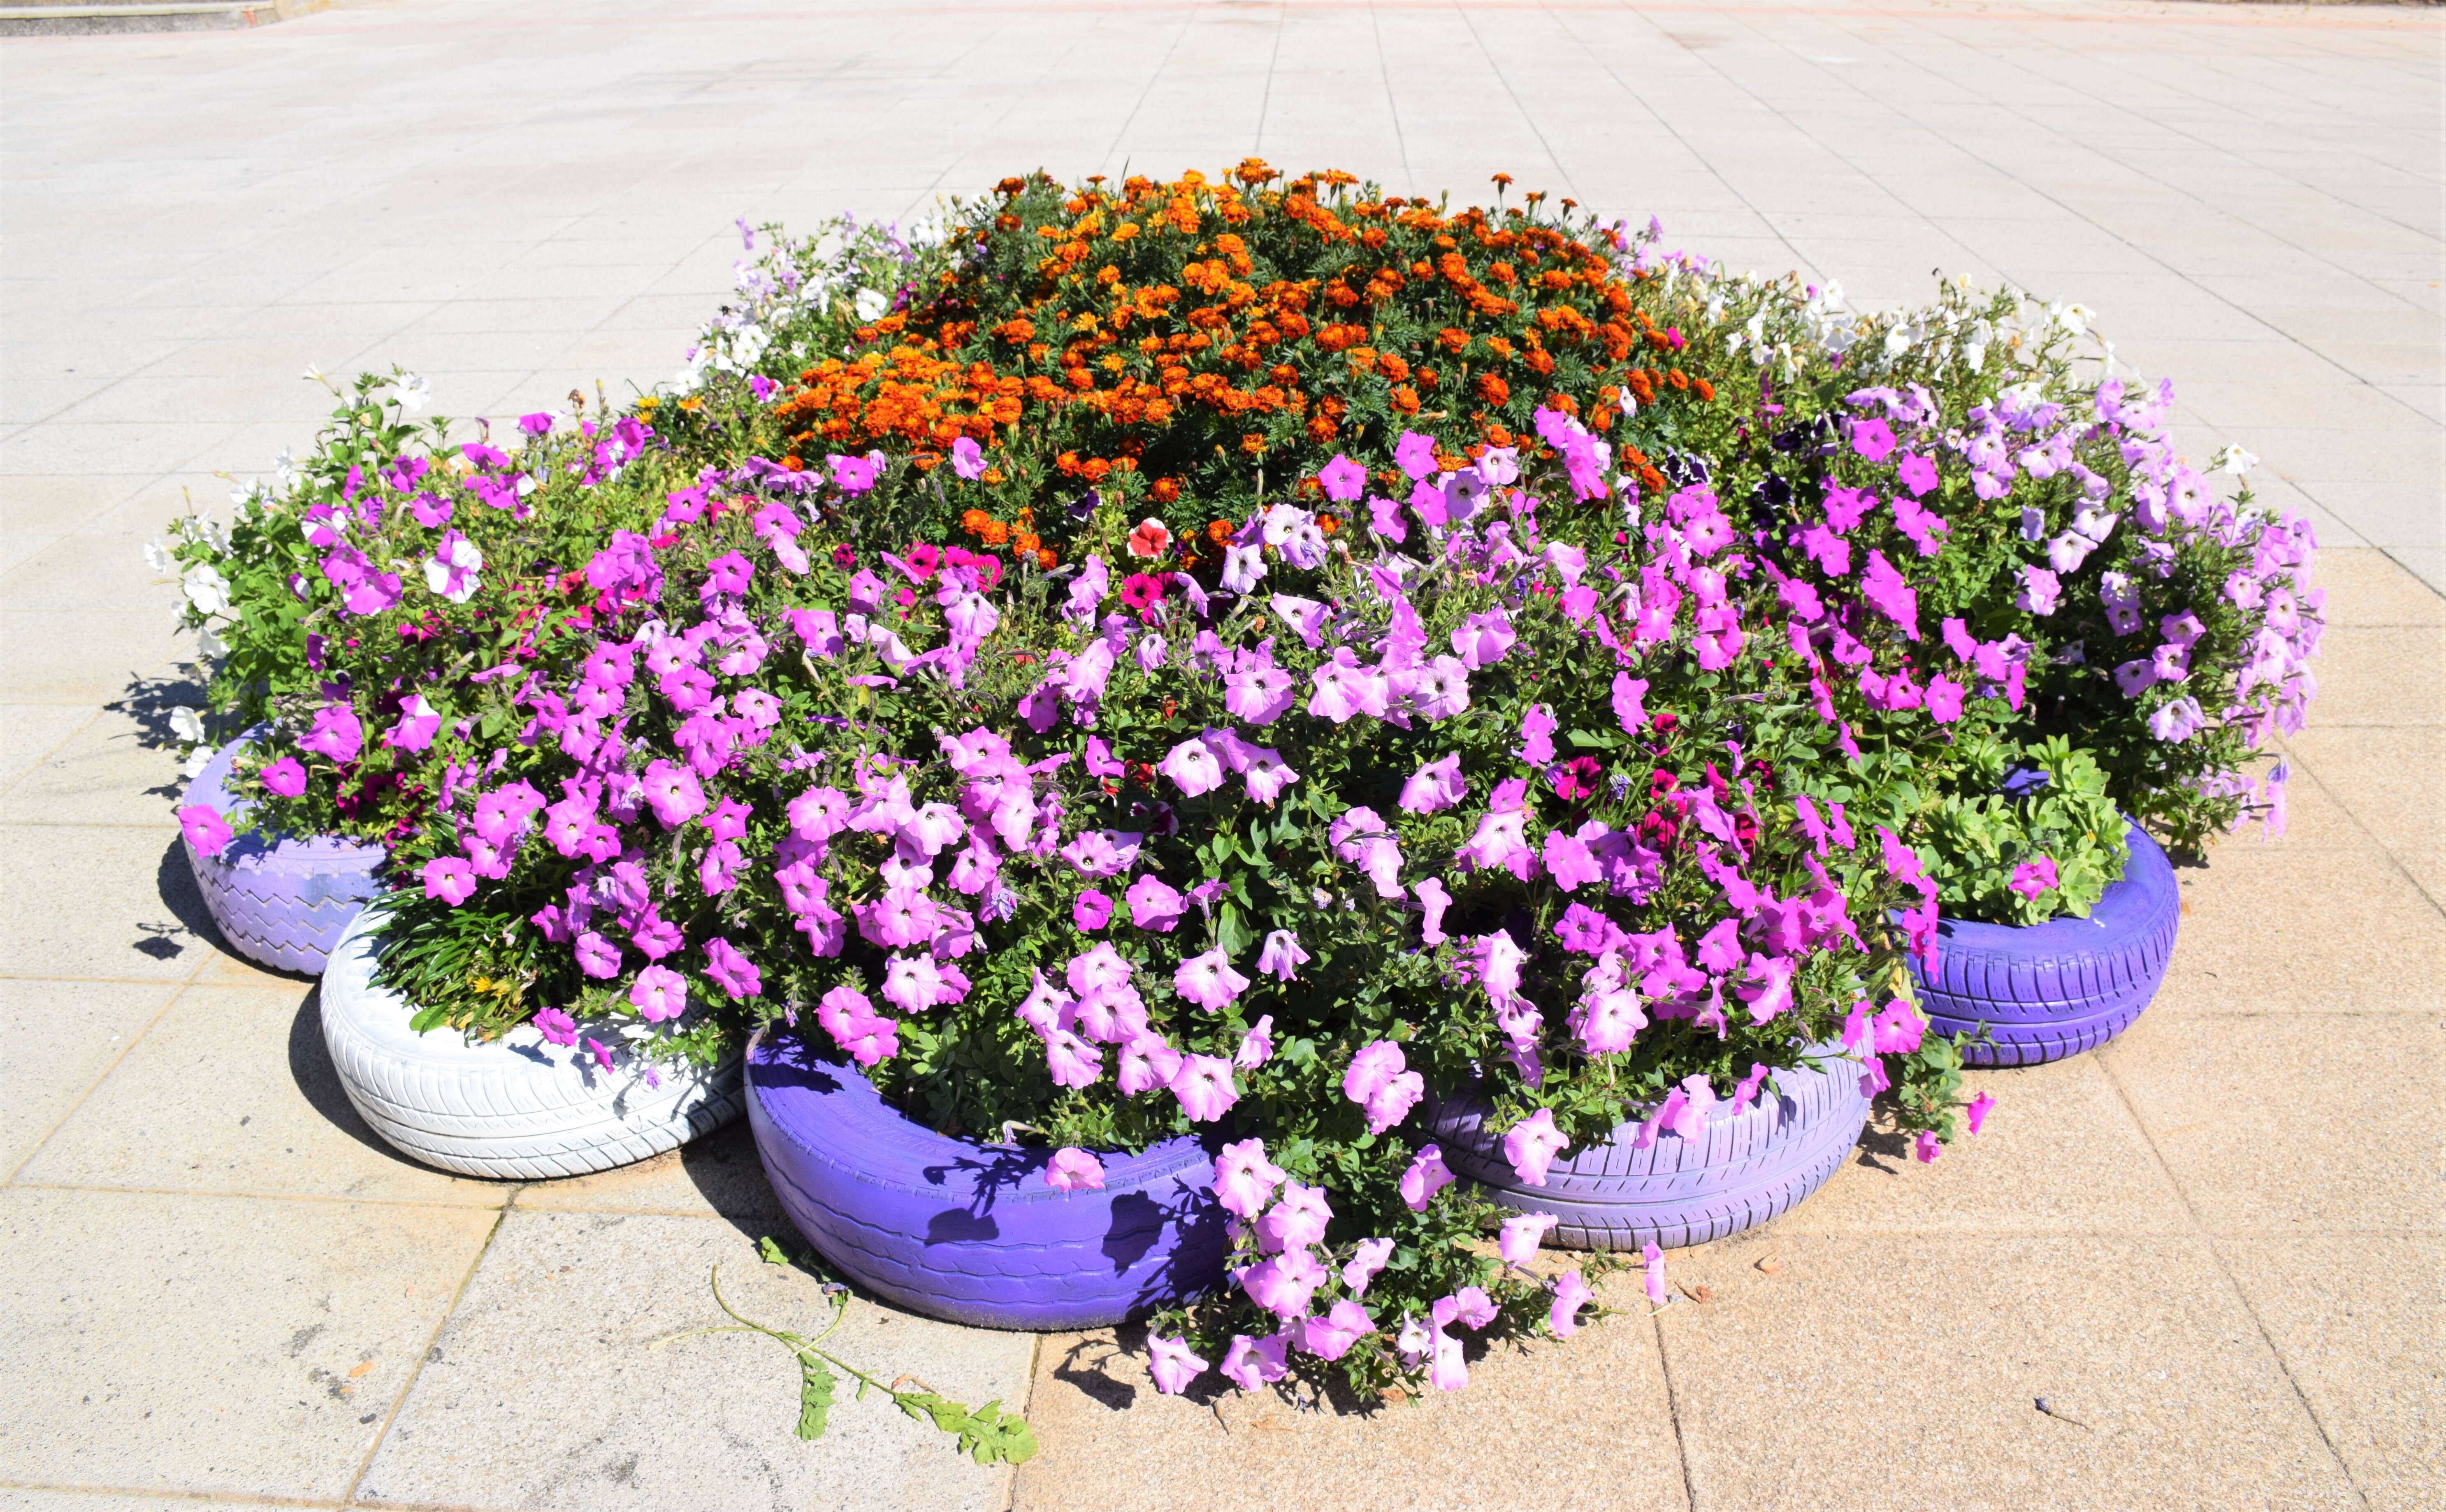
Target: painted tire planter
[
  {"x": 519, "y": 1107},
  {"x": 281, "y": 903},
  {"x": 960, "y": 1230},
  {"x": 1750, "y": 1165},
  {"x": 2052, "y": 990}
]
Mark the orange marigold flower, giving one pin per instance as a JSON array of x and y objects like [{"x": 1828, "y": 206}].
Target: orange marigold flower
[
  {"x": 994, "y": 532},
  {"x": 1492, "y": 389},
  {"x": 975, "y": 521},
  {"x": 1218, "y": 530},
  {"x": 1706, "y": 390},
  {"x": 1453, "y": 338},
  {"x": 1046, "y": 561},
  {"x": 1163, "y": 490},
  {"x": 1328, "y": 524}
]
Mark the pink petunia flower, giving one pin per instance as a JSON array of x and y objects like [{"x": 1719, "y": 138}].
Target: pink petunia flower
[
  {"x": 1172, "y": 1364},
  {"x": 1204, "y": 1088},
  {"x": 1532, "y": 1146},
  {"x": 659, "y": 993},
  {"x": 1074, "y": 1170}
]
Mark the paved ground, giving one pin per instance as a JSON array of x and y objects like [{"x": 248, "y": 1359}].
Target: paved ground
[{"x": 2214, "y": 1248}]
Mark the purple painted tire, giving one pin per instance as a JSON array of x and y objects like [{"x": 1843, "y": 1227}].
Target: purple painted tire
[
  {"x": 959, "y": 1230},
  {"x": 281, "y": 903},
  {"x": 2057, "y": 989},
  {"x": 1749, "y": 1167}
]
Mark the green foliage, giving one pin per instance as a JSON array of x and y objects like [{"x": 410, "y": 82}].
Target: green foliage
[
  {"x": 987, "y": 1434},
  {"x": 1982, "y": 834}
]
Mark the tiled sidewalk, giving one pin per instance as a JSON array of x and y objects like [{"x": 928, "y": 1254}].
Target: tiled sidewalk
[{"x": 2215, "y": 1249}]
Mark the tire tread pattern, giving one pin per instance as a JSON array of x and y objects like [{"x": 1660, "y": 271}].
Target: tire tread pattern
[
  {"x": 1748, "y": 1167},
  {"x": 2054, "y": 990},
  {"x": 963, "y": 1231},
  {"x": 506, "y": 1111},
  {"x": 282, "y": 903}
]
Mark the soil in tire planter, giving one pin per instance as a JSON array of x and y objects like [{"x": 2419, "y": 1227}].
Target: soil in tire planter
[
  {"x": 962, "y": 1230},
  {"x": 2052, "y": 990},
  {"x": 1750, "y": 1165}
]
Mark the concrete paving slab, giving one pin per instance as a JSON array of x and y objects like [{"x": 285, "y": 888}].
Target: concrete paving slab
[
  {"x": 1803, "y": 1390},
  {"x": 104, "y": 903},
  {"x": 1584, "y": 1422},
  {"x": 159, "y": 1341},
  {"x": 232, "y": 1092},
  {"x": 2369, "y": 588},
  {"x": 2060, "y": 1152},
  {"x": 2355, "y": 1320},
  {"x": 64, "y": 1035},
  {"x": 31, "y": 732},
  {"x": 2382, "y": 676},
  {"x": 86, "y": 657},
  {"x": 716, "y": 1175},
  {"x": 546, "y": 1390},
  {"x": 115, "y": 769},
  {"x": 2279, "y": 930},
  {"x": 2392, "y": 780},
  {"x": 2282, "y": 1126}
]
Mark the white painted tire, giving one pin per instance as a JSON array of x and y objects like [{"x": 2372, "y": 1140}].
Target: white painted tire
[{"x": 520, "y": 1107}]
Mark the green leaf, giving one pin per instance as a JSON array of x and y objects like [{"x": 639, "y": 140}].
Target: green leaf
[
  {"x": 993, "y": 1437},
  {"x": 815, "y": 1394},
  {"x": 1231, "y": 931},
  {"x": 770, "y": 1248}
]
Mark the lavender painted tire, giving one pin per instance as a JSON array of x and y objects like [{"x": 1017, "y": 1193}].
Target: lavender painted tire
[
  {"x": 958, "y": 1230},
  {"x": 1749, "y": 1167},
  {"x": 281, "y": 903},
  {"x": 2057, "y": 989}
]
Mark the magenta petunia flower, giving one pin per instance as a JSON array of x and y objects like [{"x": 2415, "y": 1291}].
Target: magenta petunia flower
[
  {"x": 336, "y": 733},
  {"x": 1344, "y": 481},
  {"x": 1532, "y": 1146},
  {"x": 556, "y": 1026},
  {"x": 1427, "y": 1175},
  {"x": 285, "y": 778},
  {"x": 2034, "y": 877},
  {"x": 1917, "y": 473},
  {"x": 210, "y": 835},
  {"x": 1253, "y": 1362},
  {"x": 450, "y": 879},
  {"x": 1976, "y": 1114},
  {"x": 597, "y": 957},
  {"x": 1209, "y": 981},
  {"x": 1282, "y": 957},
  {"x": 1154, "y": 905},
  {"x": 1091, "y": 911},
  {"x": 1570, "y": 1293},
  {"x": 1873, "y": 438},
  {"x": 1204, "y": 1088}
]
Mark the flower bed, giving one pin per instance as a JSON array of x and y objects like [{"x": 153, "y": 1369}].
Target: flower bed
[{"x": 1216, "y": 660}]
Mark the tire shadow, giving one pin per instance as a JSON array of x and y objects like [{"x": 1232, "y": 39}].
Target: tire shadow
[{"x": 318, "y": 1081}]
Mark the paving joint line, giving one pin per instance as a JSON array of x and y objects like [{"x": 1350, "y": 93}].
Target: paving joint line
[
  {"x": 1673, "y": 1409},
  {"x": 432, "y": 1342},
  {"x": 177, "y": 990},
  {"x": 2217, "y": 1254}
]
